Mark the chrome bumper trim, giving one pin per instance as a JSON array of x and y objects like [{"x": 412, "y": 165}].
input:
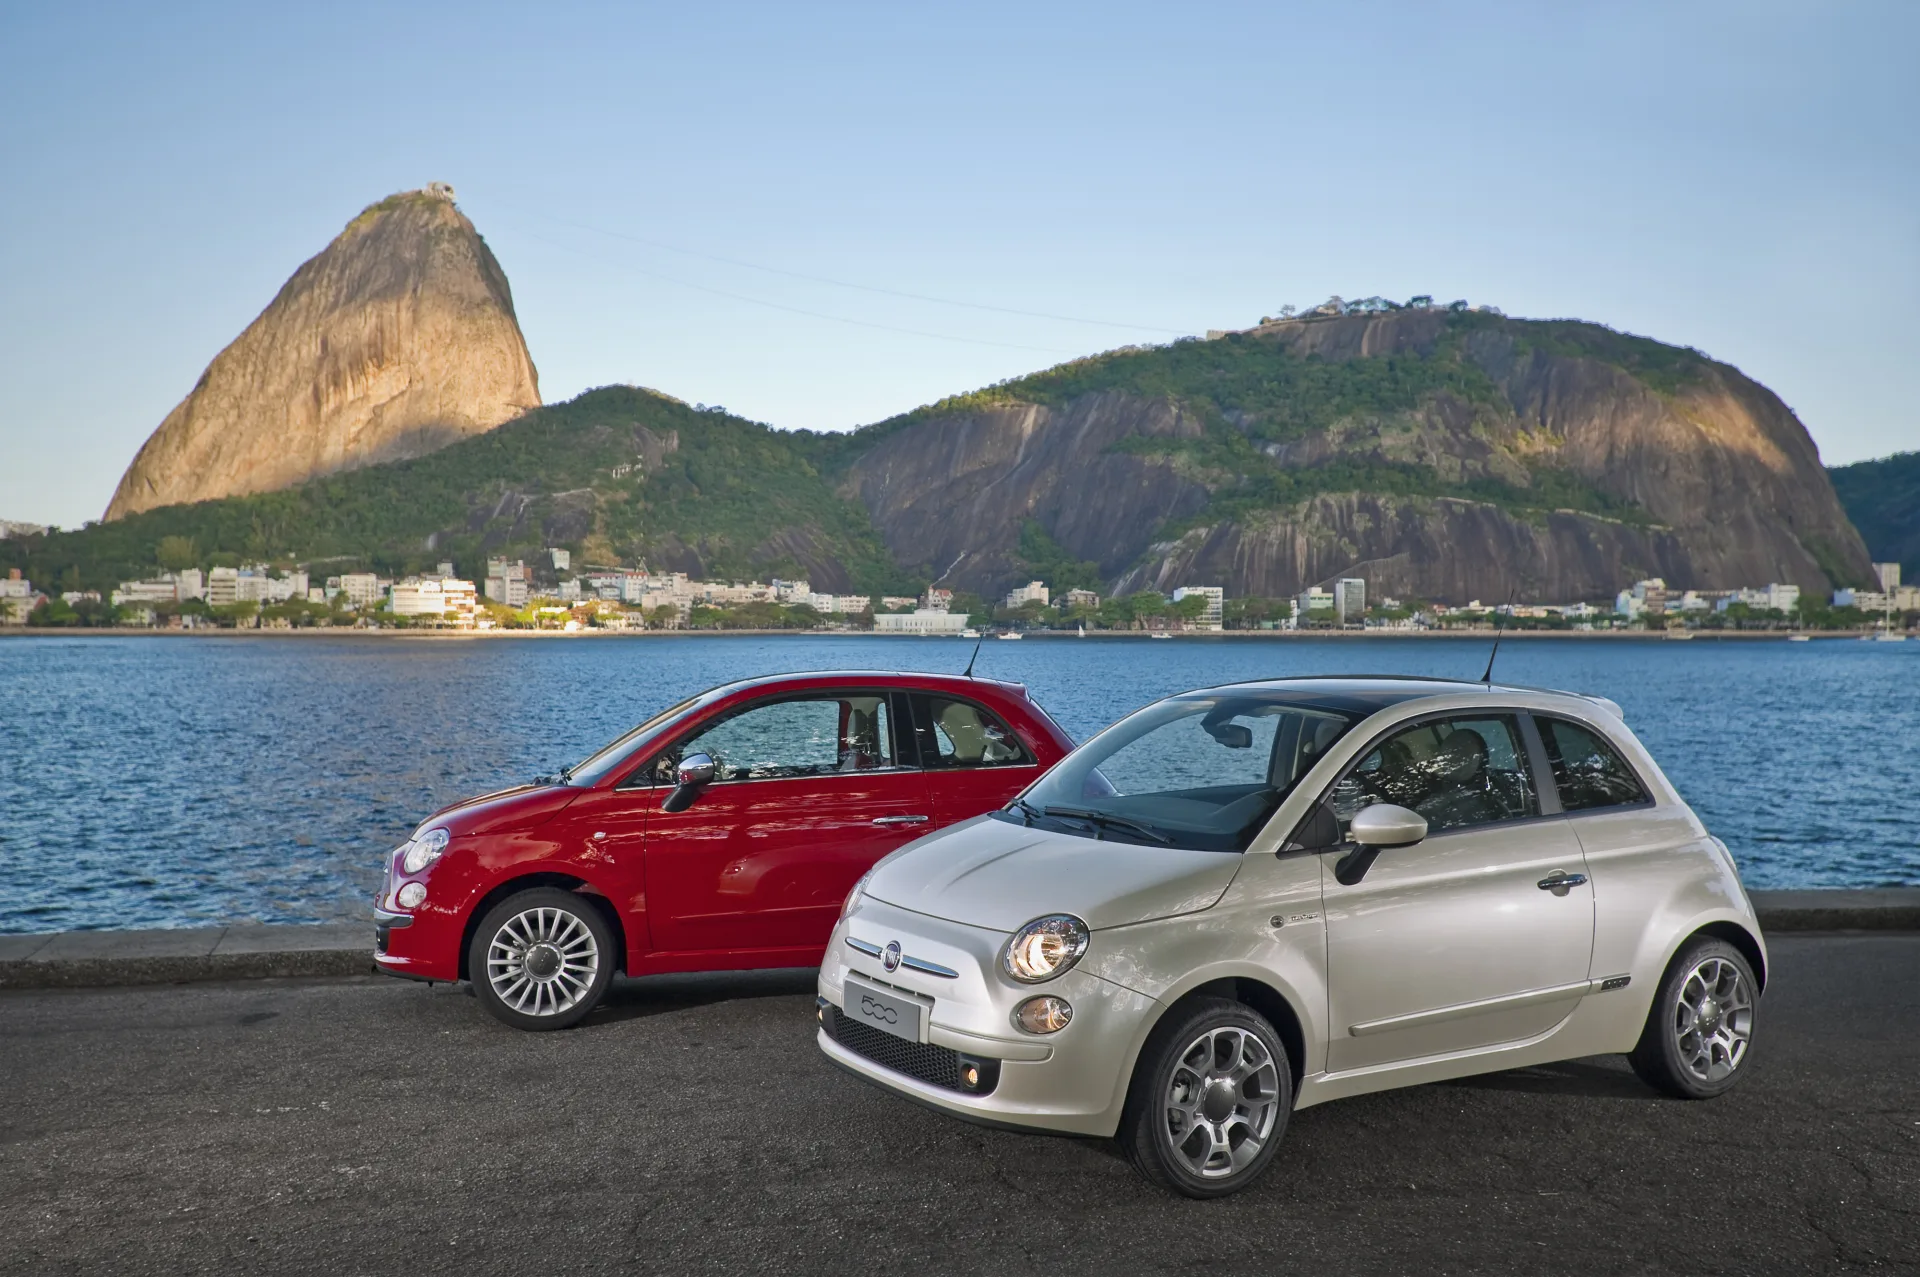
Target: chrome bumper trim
[{"x": 394, "y": 921}]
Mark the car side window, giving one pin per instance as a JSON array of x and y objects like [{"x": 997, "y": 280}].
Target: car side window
[
  {"x": 1588, "y": 771},
  {"x": 801, "y": 736},
  {"x": 1456, "y": 772},
  {"x": 959, "y": 734}
]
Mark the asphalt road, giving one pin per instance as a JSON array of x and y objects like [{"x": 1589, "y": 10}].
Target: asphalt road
[{"x": 370, "y": 1126}]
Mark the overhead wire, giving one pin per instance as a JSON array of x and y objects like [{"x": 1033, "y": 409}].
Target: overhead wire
[
  {"x": 794, "y": 310},
  {"x": 843, "y": 283}
]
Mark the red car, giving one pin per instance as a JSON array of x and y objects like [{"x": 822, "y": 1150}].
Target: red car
[{"x": 721, "y": 834}]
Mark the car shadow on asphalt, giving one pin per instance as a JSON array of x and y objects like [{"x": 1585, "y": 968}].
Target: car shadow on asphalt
[
  {"x": 1602, "y": 1079},
  {"x": 656, "y": 994}
]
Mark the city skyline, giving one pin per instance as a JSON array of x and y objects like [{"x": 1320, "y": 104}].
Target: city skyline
[{"x": 715, "y": 204}]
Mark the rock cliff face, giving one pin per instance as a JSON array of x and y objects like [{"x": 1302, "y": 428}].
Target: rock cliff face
[
  {"x": 1556, "y": 461},
  {"x": 397, "y": 340}
]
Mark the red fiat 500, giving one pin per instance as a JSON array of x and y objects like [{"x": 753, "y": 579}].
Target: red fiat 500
[{"x": 721, "y": 834}]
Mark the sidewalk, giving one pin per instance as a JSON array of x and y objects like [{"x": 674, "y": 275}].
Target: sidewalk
[{"x": 80, "y": 959}]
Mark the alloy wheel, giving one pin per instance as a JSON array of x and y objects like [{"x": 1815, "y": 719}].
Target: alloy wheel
[
  {"x": 1221, "y": 1102},
  {"x": 542, "y": 961},
  {"x": 1713, "y": 1019}
]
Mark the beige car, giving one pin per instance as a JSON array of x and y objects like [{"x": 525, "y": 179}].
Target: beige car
[{"x": 1245, "y": 900}]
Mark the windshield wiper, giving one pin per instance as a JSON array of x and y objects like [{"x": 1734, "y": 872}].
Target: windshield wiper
[
  {"x": 1027, "y": 810},
  {"x": 1106, "y": 819}
]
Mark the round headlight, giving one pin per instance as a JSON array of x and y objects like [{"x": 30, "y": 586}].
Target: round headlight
[
  {"x": 1044, "y": 1014},
  {"x": 424, "y": 850},
  {"x": 413, "y": 895},
  {"x": 1044, "y": 948}
]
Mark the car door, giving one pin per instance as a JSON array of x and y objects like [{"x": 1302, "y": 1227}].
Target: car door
[
  {"x": 809, "y": 792},
  {"x": 974, "y": 762},
  {"x": 1479, "y": 935}
]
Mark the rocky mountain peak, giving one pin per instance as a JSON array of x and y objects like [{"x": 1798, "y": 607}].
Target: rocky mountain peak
[{"x": 397, "y": 339}]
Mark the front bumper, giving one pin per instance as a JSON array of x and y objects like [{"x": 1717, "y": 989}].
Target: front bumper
[{"x": 1072, "y": 1082}]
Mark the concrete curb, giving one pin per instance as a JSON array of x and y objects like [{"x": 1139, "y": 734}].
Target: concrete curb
[
  {"x": 91, "y": 959},
  {"x": 1831, "y": 909},
  {"x": 82, "y": 959}
]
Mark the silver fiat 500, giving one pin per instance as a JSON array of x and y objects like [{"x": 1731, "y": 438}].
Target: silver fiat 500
[{"x": 1248, "y": 899}]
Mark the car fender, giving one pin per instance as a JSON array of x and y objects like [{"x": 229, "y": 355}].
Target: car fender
[{"x": 1301, "y": 1001}]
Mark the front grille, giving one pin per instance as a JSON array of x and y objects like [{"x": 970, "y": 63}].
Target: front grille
[{"x": 935, "y": 1065}]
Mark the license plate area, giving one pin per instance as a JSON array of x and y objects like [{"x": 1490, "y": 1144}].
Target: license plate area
[{"x": 888, "y": 1010}]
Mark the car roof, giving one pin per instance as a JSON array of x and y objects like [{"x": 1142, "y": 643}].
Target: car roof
[
  {"x": 879, "y": 678},
  {"x": 1370, "y": 693}
]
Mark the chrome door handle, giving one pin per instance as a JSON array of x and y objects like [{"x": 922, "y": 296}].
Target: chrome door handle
[
  {"x": 900, "y": 820},
  {"x": 1560, "y": 883}
]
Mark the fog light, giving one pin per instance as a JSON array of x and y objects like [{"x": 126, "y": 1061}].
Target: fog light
[
  {"x": 971, "y": 1076},
  {"x": 414, "y": 894},
  {"x": 1045, "y": 1014}
]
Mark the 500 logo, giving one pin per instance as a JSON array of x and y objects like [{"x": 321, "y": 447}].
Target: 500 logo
[{"x": 877, "y": 1011}]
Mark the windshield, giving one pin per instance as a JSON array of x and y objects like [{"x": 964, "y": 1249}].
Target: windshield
[
  {"x": 1200, "y": 772},
  {"x": 603, "y": 763}
]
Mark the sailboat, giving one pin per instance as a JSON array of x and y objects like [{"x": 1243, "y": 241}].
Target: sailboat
[
  {"x": 1887, "y": 633},
  {"x": 1083, "y": 632}
]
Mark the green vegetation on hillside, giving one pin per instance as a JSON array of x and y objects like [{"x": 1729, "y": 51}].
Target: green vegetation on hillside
[
  {"x": 1883, "y": 500},
  {"x": 725, "y": 500}
]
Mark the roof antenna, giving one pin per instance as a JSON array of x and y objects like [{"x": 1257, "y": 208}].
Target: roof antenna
[
  {"x": 972, "y": 659},
  {"x": 1487, "y": 677}
]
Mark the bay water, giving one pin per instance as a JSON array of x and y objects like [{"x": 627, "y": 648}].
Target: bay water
[{"x": 153, "y": 781}]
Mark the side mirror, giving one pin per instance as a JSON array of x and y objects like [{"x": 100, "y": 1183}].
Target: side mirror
[
  {"x": 1375, "y": 829},
  {"x": 694, "y": 774},
  {"x": 1384, "y": 826}
]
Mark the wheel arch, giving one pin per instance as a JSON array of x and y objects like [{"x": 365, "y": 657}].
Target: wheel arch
[
  {"x": 527, "y": 882},
  {"x": 1250, "y": 991},
  {"x": 1740, "y": 938}
]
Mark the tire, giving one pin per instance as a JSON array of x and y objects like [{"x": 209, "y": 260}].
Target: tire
[
  {"x": 1204, "y": 1140},
  {"x": 1699, "y": 1033},
  {"x": 541, "y": 959}
]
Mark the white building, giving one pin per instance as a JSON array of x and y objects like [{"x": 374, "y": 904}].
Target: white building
[
  {"x": 1776, "y": 597},
  {"x": 1031, "y": 592},
  {"x": 1350, "y": 600},
  {"x": 1627, "y": 604},
  {"x": 1312, "y": 599},
  {"x": 17, "y": 598},
  {"x": 363, "y": 589},
  {"x": 1889, "y": 576},
  {"x": 919, "y": 621},
  {"x": 168, "y": 587},
  {"x": 510, "y": 583},
  {"x": 1215, "y": 615},
  {"x": 562, "y": 560},
  {"x": 433, "y": 596}
]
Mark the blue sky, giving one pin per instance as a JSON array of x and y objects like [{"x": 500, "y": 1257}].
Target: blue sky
[{"x": 1740, "y": 177}]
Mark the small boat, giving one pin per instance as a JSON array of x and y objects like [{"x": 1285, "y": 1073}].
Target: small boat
[
  {"x": 1680, "y": 634},
  {"x": 969, "y": 632},
  {"x": 1008, "y": 634},
  {"x": 1159, "y": 634},
  {"x": 1799, "y": 638},
  {"x": 1889, "y": 636},
  {"x": 1083, "y": 632}
]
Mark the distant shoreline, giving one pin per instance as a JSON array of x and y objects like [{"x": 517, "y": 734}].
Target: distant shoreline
[{"x": 319, "y": 632}]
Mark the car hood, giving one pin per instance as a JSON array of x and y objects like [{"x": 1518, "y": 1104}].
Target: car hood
[
  {"x": 995, "y": 874},
  {"x": 516, "y": 808}
]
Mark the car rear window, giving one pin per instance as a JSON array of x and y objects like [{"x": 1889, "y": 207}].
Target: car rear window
[{"x": 1590, "y": 774}]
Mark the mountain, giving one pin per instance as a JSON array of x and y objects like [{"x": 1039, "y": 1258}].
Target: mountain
[
  {"x": 1447, "y": 455},
  {"x": 1440, "y": 454},
  {"x": 1883, "y": 499},
  {"x": 396, "y": 340}
]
